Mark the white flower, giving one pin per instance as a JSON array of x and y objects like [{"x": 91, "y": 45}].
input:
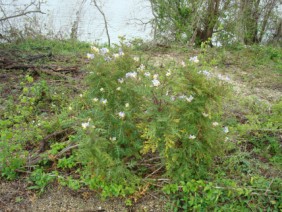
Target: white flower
[
  {"x": 104, "y": 101},
  {"x": 205, "y": 114},
  {"x": 190, "y": 98},
  {"x": 155, "y": 76},
  {"x": 172, "y": 98},
  {"x": 147, "y": 74},
  {"x": 104, "y": 51},
  {"x": 131, "y": 75},
  {"x": 85, "y": 125},
  {"x": 192, "y": 137},
  {"x": 90, "y": 56},
  {"x": 95, "y": 49},
  {"x": 156, "y": 82},
  {"x": 141, "y": 67},
  {"x": 121, "y": 115},
  {"x": 102, "y": 89},
  {"x": 95, "y": 100},
  {"x": 70, "y": 108},
  {"x": 120, "y": 80},
  {"x": 182, "y": 63},
  {"x": 225, "y": 129},
  {"x": 116, "y": 55},
  {"x": 194, "y": 59},
  {"x": 127, "y": 105},
  {"x": 215, "y": 124},
  {"x": 81, "y": 95},
  {"x": 136, "y": 59},
  {"x": 113, "y": 138},
  {"x": 206, "y": 73},
  {"x": 168, "y": 73},
  {"x": 118, "y": 88}
]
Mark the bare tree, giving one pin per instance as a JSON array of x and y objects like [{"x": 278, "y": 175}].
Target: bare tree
[
  {"x": 105, "y": 20},
  {"x": 9, "y": 15},
  {"x": 33, "y": 7}
]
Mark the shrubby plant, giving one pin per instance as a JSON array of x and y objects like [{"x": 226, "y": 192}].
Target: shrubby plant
[{"x": 137, "y": 112}]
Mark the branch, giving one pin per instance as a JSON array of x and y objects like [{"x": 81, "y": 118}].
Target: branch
[{"x": 21, "y": 14}]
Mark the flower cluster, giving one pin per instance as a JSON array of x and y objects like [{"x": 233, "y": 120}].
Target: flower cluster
[
  {"x": 131, "y": 75},
  {"x": 105, "y": 53},
  {"x": 90, "y": 56},
  {"x": 85, "y": 125},
  {"x": 188, "y": 99},
  {"x": 194, "y": 59},
  {"x": 141, "y": 68},
  {"x": 156, "y": 82}
]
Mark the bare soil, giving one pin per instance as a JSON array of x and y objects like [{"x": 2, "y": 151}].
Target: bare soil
[{"x": 15, "y": 196}]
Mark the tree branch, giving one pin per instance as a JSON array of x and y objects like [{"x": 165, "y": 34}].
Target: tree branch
[{"x": 21, "y": 14}]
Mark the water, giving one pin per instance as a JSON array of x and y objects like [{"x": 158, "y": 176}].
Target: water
[{"x": 60, "y": 16}]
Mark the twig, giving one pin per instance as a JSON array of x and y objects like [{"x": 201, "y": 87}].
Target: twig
[
  {"x": 38, "y": 158},
  {"x": 43, "y": 142},
  {"x": 163, "y": 179},
  {"x": 154, "y": 172},
  {"x": 65, "y": 150}
]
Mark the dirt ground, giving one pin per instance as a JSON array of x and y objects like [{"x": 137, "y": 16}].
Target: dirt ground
[{"x": 15, "y": 196}]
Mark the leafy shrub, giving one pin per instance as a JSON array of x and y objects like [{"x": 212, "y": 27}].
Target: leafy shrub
[
  {"x": 134, "y": 112},
  {"x": 40, "y": 179}
]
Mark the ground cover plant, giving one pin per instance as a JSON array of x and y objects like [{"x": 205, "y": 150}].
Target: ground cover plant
[{"x": 125, "y": 123}]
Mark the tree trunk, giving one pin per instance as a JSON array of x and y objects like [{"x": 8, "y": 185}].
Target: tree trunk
[
  {"x": 210, "y": 21},
  {"x": 251, "y": 15}
]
